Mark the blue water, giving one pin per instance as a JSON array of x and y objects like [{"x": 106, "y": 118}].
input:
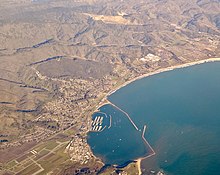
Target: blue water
[
  {"x": 182, "y": 111},
  {"x": 117, "y": 145}
]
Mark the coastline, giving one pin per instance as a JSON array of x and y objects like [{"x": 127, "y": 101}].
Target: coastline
[
  {"x": 158, "y": 71},
  {"x": 139, "y": 166},
  {"x": 161, "y": 70}
]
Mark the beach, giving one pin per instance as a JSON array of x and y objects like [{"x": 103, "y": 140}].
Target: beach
[{"x": 139, "y": 166}]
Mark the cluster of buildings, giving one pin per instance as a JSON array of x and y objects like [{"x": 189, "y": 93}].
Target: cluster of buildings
[{"x": 79, "y": 150}]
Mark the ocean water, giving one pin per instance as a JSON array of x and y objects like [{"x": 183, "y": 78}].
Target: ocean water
[
  {"x": 117, "y": 143},
  {"x": 181, "y": 109}
]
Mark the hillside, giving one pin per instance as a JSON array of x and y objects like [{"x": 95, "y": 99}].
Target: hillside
[{"x": 59, "y": 58}]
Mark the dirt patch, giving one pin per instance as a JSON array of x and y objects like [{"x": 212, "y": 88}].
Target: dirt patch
[
  {"x": 11, "y": 153},
  {"x": 74, "y": 68}
]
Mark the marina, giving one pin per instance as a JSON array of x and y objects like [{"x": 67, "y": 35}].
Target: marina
[
  {"x": 98, "y": 123},
  {"x": 116, "y": 122}
]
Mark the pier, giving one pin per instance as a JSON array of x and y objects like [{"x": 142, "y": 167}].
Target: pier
[
  {"x": 103, "y": 128},
  {"x": 101, "y": 120},
  {"x": 100, "y": 127},
  {"x": 97, "y": 121}
]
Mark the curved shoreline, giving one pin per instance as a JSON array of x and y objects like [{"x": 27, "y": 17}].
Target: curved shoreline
[
  {"x": 161, "y": 70},
  {"x": 158, "y": 71}
]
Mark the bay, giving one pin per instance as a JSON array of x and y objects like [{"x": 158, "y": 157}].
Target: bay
[{"x": 181, "y": 109}]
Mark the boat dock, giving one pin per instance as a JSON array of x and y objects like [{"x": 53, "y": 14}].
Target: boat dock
[{"x": 97, "y": 123}]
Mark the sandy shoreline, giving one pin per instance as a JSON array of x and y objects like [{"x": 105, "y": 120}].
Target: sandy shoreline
[
  {"x": 139, "y": 166},
  {"x": 164, "y": 70},
  {"x": 105, "y": 99}
]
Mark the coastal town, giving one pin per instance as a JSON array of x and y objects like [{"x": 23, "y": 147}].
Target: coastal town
[
  {"x": 75, "y": 107},
  {"x": 61, "y": 60},
  {"x": 78, "y": 151}
]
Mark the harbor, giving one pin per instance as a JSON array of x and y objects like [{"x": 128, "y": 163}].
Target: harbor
[{"x": 114, "y": 139}]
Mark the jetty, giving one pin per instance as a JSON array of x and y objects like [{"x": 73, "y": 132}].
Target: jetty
[
  {"x": 152, "y": 150},
  {"x": 103, "y": 113},
  {"x": 110, "y": 122},
  {"x": 135, "y": 126}
]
